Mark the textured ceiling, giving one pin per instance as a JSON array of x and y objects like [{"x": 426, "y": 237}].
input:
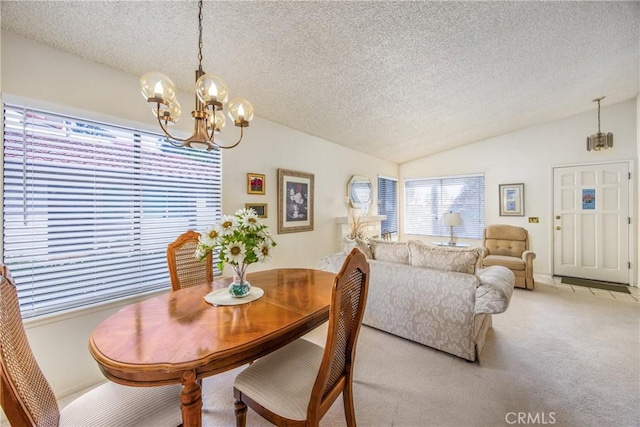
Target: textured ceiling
[{"x": 398, "y": 80}]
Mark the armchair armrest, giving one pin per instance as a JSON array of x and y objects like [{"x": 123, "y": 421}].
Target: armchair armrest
[{"x": 528, "y": 257}]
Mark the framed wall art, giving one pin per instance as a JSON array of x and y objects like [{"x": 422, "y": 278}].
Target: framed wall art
[
  {"x": 511, "y": 199},
  {"x": 255, "y": 183},
  {"x": 260, "y": 208},
  {"x": 295, "y": 201}
]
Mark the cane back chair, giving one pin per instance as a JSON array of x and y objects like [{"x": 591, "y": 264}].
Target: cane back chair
[
  {"x": 298, "y": 383},
  {"x": 184, "y": 269}
]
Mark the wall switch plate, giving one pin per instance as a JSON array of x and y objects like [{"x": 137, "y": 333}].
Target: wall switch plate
[{"x": 534, "y": 219}]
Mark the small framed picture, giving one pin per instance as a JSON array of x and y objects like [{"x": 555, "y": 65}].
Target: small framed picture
[
  {"x": 260, "y": 208},
  {"x": 511, "y": 199},
  {"x": 295, "y": 201},
  {"x": 255, "y": 183}
]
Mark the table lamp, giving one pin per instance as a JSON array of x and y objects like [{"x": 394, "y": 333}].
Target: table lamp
[{"x": 451, "y": 220}]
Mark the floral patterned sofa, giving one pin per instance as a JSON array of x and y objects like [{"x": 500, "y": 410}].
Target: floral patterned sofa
[{"x": 436, "y": 296}]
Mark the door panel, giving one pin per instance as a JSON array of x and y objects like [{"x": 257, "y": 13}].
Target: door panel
[{"x": 591, "y": 229}]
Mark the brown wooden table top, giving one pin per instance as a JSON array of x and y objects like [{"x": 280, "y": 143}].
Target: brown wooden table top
[{"x": 155, "y": 341}]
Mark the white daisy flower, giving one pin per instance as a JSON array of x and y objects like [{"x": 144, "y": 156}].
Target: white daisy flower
[
  {"x": 234, "y": 252},
  {"x": 264, "y": 234},
  {"x": 200, "y": 253},
  {"x": 250, "y": 220},
  {"x": 263, "y": 251},
  {"x": 228, "y": 225},
  {"x": 212, "y": 237}
]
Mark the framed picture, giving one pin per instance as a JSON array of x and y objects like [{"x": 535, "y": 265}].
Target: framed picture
[
  {"x": 260, "y": 208},
  {"x": 511, "y": 199},
  {"x": 255, "y": 183},
  {"x": 295, "y": 201}
]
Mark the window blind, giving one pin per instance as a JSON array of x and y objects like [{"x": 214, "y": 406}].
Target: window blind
[
  {"x": 89, "y": 208},
  {"x": 426, "y": 200},
  {"x": 388, "y": 203}
]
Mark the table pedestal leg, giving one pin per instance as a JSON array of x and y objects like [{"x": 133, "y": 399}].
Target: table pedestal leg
[{"x": 191, "y": 400}]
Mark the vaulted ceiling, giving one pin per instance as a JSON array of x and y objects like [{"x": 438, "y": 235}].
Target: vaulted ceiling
[{"x": 398, "y": 80}]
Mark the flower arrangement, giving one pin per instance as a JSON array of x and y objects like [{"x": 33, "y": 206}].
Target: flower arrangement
[{"x": 242, "y": 238}]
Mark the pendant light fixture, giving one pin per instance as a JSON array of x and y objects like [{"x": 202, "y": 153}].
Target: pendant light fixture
[
  {"x": 211, "y": 97},
  {"x": 599, "y": 141}
]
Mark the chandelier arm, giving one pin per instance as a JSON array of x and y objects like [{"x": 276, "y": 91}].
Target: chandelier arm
[
  {"x": 226, "y": 147},
  {"x": 211, "y": 136},
  {"x": 168, "y": 135}
]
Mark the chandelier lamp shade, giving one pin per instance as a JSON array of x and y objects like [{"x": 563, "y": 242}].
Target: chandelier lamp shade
[
  {"x": 451, "y": 219},
  {"x": 212, "y": 97},
  {"x": 599, "y": 141}
]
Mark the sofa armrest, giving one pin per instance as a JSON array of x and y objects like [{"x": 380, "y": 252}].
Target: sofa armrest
[
  {"x": 494, "y": 293},
  {"x": 332, "y": 263}
]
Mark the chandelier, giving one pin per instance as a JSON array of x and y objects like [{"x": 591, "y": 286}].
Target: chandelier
[
  {"x": 599, "y": 141},
  {"x": 212, "y": 94}
]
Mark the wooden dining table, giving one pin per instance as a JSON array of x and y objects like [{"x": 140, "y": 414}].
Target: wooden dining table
[{"x": 178, "y": 337}]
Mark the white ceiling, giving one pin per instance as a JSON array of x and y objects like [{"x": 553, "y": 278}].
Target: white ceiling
[{"x": 398, "y": 80}]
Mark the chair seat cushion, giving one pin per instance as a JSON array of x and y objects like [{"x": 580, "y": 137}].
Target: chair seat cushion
[
  {"x": 510, "y": 262},
  {"x": 112, "y": 404},
  {"x": 283, "y": 380}
]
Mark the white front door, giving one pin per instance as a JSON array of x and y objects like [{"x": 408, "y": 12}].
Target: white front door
[{"x": 591, "y": 222}]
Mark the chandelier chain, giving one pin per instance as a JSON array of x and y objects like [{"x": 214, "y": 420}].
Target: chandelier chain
[
  {"x": 599, "y": 117},
  {"x": 200, "y": 35}
]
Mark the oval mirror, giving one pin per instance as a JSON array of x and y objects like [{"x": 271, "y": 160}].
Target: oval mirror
[{"x": 360, "y": 192}]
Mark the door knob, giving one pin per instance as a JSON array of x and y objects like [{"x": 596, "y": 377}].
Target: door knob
[{"x": 557, "y": 227}]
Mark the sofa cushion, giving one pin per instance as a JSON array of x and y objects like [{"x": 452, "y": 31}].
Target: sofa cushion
[
  {"x": 462, "y": 260},
  {"x": 383, "y": 250}
]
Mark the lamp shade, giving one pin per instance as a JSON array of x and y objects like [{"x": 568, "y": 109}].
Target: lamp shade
[{"x": 451, "y": 219}]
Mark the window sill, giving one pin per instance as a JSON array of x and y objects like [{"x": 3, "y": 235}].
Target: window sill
[{"x": 60, "y": 316}]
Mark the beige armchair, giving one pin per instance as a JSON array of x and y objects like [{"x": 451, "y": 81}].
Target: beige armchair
[{"x": 508, "y": 246}]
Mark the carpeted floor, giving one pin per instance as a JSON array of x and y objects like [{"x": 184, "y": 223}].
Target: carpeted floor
[{"x": 554, "y": 358}]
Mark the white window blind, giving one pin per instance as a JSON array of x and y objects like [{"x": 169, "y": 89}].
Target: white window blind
[
  {"x": 388, "y": 203},
  {"x": 425, "y": 200},
  {"x": 89, "y": 208}
]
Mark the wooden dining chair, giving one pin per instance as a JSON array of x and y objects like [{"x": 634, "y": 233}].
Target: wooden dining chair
[
  {"x": 28, "y": 400},
  {"x": 298, "y": 383},
  {"x": 185, "y": 270}
]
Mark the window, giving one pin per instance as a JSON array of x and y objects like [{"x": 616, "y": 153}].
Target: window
[
  {"x": 89, "y": 208},
  {"x": 425, "y": 200},
  {"x": 388, "y": 203}
]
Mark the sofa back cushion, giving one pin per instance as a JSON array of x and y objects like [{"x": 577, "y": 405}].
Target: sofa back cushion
[
  {"x": 462, "y": 260},
  {"x": 383, "y": 250}
]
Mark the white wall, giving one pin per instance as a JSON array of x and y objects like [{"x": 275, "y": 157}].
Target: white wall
[
  {"x": 39, "y": 76},
  {"x": 527, "y": 156}
]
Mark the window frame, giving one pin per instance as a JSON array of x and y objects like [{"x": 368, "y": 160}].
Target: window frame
[
  {"x": 387, "y": 224},
  {"x": 198, "y": 215},
  {"x": 446, "y": 200}
]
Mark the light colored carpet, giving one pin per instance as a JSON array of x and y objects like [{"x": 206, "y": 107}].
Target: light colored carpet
[{"x": 557, "y": 358}]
